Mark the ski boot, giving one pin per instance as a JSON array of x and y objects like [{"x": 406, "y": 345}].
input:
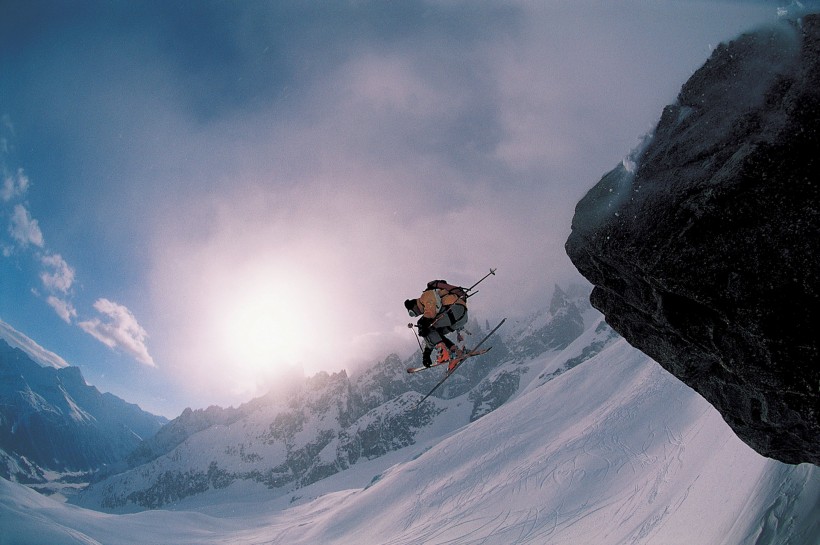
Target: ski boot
[{"x": 426, "y": 359}]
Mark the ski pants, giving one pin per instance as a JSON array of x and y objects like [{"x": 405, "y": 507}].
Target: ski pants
[{"x": 451, "y": 319}]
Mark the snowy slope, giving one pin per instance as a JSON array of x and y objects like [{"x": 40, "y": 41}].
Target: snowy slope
[
  {"x": 613, "y": 450},
  {"x": 652, "y": 463}
]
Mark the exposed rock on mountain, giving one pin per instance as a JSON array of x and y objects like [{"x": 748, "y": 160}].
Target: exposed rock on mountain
[
  {"x": 178, "y": 430},
  {"x": 704, "y": 245}
]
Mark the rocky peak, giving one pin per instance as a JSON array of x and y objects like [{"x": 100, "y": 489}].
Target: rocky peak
[
  {"x": 559, "y": 300},
  {"x": 71, "y": 376}
]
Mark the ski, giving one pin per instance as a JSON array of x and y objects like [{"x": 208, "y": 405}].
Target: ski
[
  {"x": 451, "y": 370},
  {"x": 468, "y": 354},
  {"x": 422, "y": 368}
]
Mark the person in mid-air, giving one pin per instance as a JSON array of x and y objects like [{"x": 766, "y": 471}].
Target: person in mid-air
[{"x": 442, "y": 308}]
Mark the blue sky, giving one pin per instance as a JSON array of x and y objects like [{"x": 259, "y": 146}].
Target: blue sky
[{"x": 199, "y": 199}]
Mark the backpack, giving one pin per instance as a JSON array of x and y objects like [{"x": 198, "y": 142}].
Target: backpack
[{"x": 458, "y": 291}]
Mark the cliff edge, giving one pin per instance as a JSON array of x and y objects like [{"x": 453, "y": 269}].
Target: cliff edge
[{"x": 703, "y": 245}]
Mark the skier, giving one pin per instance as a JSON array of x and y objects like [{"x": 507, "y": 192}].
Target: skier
[{"x": 443, "y": 310}]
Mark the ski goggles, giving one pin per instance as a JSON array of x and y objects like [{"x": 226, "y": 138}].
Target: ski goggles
[{"x": 411, "y": 305}]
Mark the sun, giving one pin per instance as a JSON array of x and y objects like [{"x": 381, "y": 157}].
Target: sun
[
  {"x": 264, "y": 320},
  {"x": 261, "y": 332}
]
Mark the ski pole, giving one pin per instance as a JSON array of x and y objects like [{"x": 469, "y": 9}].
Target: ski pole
[
  {"x": 492, "y": 272},
  {"x": 410, "y": 325}
]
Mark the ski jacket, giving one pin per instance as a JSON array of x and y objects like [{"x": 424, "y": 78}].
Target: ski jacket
[{"x": 433, "y": 300}]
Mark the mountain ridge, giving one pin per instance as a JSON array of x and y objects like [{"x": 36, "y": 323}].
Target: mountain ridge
[
  {"x": 51, "y": 420},
  {"x": 331, "y": 422}
]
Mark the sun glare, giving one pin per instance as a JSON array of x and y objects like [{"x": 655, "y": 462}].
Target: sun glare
[
  {"x": 260, "y": 333},
  {"x": 264, "y": 322}
]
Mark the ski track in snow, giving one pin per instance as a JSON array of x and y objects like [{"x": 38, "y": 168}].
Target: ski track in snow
[{"x": 612, "y": 451}]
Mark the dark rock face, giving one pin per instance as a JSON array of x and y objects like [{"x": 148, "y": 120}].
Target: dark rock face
[{"x": 704, "y": 246}]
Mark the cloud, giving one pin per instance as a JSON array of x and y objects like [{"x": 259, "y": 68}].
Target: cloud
[
  {"x": 24, "y": 229},
  {"x": 44, "y": 357},
  {"x": 61, "y": 276},
  {"x": 118, "y": 329},
  {"x": 64, "y": 309},
  {"x": 14, "y": 185},
  {"x": 359, "y": 153}
]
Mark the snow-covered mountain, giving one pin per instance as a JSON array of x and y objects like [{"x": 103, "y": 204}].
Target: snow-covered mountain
[
  {"x": 590, "y": 441},
  {"x": 332, "y": 422},
  {"x": 52, "y": 421}
]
